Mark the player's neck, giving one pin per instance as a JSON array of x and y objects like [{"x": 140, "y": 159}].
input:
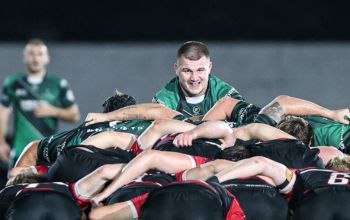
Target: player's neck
[{"x": 38, "y": 74}]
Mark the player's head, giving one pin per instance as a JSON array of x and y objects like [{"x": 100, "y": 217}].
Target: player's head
[
  {"x": 35, "y": 56},
  {"x": 26, "y": 177},
  {"x": 341, "y": 163},
  {"x": 193, "y": 67},
  {"x": 237, "y": 152},
  {"x": 297, "y": 127},
  {"x": 119, "y": 100}
]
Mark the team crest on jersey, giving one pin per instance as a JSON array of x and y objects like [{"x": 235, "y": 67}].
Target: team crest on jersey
[{"x": 196, "y": 109}]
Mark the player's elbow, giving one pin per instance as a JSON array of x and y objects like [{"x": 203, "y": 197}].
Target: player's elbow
[
  {"x": 281, "y": 98},
  {"x": 260, "y": 162}
]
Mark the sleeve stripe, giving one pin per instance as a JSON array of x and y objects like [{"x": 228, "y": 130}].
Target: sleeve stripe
[
  {"x": 133, "y": 209},
  {"x": 193, "y": 162}
]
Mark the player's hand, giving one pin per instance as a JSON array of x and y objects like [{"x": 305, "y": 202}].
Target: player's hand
[
  {"x": 45, "y": 109},
  {"x": 185, "y": 139},
  {"x": 5, "y": 150},
  {"x": 17, "y": 170},
  {"x": 93, "y": 118},
  {"x": 197, "y": 118},
  {"x": 96, "y": 201},
  {"x": 342, "y": 116}
]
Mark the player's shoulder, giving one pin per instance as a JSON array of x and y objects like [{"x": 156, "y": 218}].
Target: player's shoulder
[
  {"x": 170, "y": 87},
  {"x": 220, "y": 88},
  {"x": 58, "y": 80},
  {"x": 170, "y": 93},
  {"x": 214, "y": 80},
  {"x": 10, "y": 80}
]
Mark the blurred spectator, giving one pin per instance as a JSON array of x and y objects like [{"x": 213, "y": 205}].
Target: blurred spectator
[{"x": 38, "y": 100}]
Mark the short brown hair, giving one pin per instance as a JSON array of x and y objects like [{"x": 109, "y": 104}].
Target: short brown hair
[
  {"x": 193, "y": 50},
  {"x": 297, "y": 127},
  {"x": 27, "y": 177},
  {"x": 36, "y": 41},
  {"x": 341, "y": 163}
]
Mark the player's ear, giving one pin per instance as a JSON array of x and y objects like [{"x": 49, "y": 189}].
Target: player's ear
[
  {"x": 48, "y": 59},
  {"x": 210, "y": 66},
  {"x": 176, "y": 69}
]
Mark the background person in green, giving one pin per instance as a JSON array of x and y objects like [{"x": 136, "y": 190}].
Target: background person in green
[
  {"x": 194, "y": 90},
  {"x": 37, "y": 99}
]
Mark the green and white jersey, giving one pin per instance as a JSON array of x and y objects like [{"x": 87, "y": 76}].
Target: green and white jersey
[
  {"x": 24, "y": 97},
  {"x": 51, "y": 147},
  {"x": 330, "y": 133},
  {"x": 172, "y": 96}
]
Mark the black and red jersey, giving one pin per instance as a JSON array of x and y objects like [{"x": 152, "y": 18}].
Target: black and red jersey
[
  {"x": 11, "y": 193},
  {"x": 178, "y": 194},
  {"x": 290, "y": 152},
  {"x": 315, "y": 180},
  {"x": 142, "y": 185},
  {"x": 258, "y": 199}
]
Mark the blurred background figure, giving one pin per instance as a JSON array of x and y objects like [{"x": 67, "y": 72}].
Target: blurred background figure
[{"x": 37, "y": 99}]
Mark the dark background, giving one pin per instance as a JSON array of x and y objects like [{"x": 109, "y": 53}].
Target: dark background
[
  {"x": 263, "y": 48},
  {"x": 160, "y": 20}
]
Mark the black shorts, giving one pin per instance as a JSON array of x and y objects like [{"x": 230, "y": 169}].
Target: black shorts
[
  {"x": 183, "y": 201},
  {"x": 326, "y": 204},
  {"x": 75, "y": 163},
  {"x": 44, "y": 205},
  {"x": 259, "y": 201}
]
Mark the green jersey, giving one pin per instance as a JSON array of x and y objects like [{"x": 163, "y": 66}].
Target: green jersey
[
  {"x": 51, "y": 147},
  {"x": 172, "y": 96},
  {"x": 25, "y": 97},
  {"x": 330, "y": 133}
]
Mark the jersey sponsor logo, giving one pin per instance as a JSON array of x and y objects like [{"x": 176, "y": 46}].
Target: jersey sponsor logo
[
  {"x": 196, "y": 109},
  {"x": 21, "y": 92},
  {"x": 94, "y": 130},
  {"x": 113, "y": 123},
  {"x": 123, "y": 128},
  {"x": 46, "y": 154},
  {"x": 339, "y": 179},
  {"x": 139, "y": 128},
  {"x": 60, "y": 148},
  {"x": 28, "y": 105}
]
